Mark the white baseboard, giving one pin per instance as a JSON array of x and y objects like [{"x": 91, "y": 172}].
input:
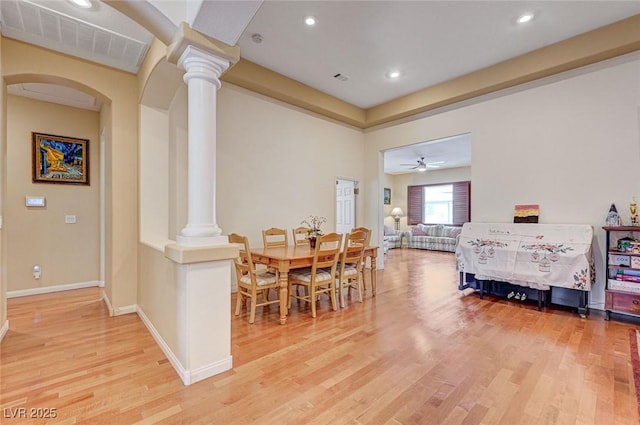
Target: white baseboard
[
  {"x": 127, "y": 309},
  {"x": 49, "y": 289},
  {"x": 182, "y": 372},
  {"x": 4, "y": 329},
  {"x": 105, "y": 298},
  {"x": 209, "y": 370}
]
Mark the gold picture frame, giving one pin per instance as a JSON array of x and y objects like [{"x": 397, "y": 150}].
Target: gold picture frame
[{"x": 60, "y": 159}]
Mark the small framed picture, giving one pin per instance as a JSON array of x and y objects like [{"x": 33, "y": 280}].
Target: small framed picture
[{"x": 387, "y": 196}]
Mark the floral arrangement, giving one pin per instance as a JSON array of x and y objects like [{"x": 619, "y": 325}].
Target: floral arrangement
[{"x": 313, "y": 222}]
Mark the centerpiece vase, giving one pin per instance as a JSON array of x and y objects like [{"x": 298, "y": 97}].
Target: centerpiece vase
[{"x": 312, "y": 243}]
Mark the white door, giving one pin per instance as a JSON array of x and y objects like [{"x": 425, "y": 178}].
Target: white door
[{"x": 345, "y": 206}]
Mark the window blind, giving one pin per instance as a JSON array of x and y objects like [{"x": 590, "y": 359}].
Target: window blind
[
  {"x": 461, "y": 202},
  {"x": 415, "y": 204}
]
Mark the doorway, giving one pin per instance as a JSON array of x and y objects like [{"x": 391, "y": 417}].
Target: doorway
[{"x": 346, "y": 191}]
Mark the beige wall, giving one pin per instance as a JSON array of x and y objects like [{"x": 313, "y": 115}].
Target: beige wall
[
  {"x": 24, "y": 62},
  {"x": 66, "y": 253},
  {"x": 177, "y": 167},
  {"x": 157, "y": 291},
  {"x": 277, "y": 165},
  {"x": 570, "y": 144},
  {"x": 157, "y": 294},
  {"x": 154, "y": 176}
]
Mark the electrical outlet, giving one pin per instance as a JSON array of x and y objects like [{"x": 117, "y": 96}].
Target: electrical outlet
[
  {"x": 36, "y": 272},
  {"x": 70, "y": 219}
]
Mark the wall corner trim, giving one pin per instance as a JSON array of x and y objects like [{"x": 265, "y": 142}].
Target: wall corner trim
[
  {"x": 4, "y": 329},
  {"x": 106, "y": 300}
]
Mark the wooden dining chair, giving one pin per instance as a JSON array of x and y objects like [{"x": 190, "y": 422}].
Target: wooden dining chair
[
  {"x": 274, "y": 237},
  {"x": 320, "y": 277},
  {"x": 252, "y": 284},
  {"x": 367, "y": 232},
  {"x": 300, "y": 235},
  {"x": 364, "y": 260},
  {"x": 349, "y": 270}
]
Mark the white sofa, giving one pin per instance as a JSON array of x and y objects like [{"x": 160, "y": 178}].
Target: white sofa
[{"x": 436, "y": 237}]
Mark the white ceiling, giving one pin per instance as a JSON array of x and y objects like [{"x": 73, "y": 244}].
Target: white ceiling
[
  {"x": 450, "y": 152},
  {"x": 427, "y": 41}
]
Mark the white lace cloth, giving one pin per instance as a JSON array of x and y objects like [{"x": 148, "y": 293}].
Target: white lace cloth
[{"x": 526, "y": 254}]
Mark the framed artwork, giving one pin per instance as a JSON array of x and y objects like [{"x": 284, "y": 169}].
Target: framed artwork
[
  {"x": 387, "y": 196},
  {"x": 526, "y": 213},
  {"x": 58, "y": 159}
]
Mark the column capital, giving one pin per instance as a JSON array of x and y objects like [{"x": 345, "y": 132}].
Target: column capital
[{"x": 202, "y": 65}]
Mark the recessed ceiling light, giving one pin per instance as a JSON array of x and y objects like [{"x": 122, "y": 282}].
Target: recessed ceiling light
[
  {"x": 393, "y": 75},
  {"x": 310, "y": 20},
  {"x": 525, "y": 18},
  {"x": 85, "y": 4}
]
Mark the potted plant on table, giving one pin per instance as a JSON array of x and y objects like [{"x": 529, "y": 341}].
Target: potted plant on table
[{"x": 313, "y": 222}]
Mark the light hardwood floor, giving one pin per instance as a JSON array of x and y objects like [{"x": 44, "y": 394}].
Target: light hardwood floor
[{"x": 417, "y": 353}]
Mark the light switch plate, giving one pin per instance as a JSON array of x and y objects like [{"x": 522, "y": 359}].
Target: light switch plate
[
  {"x": 35, "y": 201},
  {"x": 70, "y": 219}
]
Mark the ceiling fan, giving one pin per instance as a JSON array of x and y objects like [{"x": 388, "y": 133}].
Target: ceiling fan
[{"x": 422, "y": 166}]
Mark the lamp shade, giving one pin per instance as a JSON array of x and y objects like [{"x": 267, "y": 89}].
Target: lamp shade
[{"x": 397, "y": 212}]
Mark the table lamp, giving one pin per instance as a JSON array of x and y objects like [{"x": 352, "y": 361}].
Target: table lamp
[{"x": 396, "y": 213}]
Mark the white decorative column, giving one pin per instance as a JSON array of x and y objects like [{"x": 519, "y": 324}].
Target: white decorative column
[
  {"x": 202, "y": 78},
  {"x": 201, "y": 255}
]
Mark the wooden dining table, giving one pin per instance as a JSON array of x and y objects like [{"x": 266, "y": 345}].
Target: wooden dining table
[{"x": 286, "y": 258}]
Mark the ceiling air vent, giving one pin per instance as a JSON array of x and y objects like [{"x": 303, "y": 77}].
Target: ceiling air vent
[{"x": 341, "y": 77}]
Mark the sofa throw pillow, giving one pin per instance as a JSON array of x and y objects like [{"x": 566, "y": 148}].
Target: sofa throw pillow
[
  {"x": 417, "y": 231},
  {"x": 451, "y": 231},
  {"x": 389, "y": 231}
]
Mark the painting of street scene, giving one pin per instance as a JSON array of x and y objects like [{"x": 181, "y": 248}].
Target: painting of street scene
[{"x": 58, "y": 159}]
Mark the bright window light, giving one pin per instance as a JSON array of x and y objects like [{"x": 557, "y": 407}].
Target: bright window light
[{"x": 438, "y": 204}]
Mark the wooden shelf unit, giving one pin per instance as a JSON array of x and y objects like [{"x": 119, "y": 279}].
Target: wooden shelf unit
[{"x": 617, "y": 300}]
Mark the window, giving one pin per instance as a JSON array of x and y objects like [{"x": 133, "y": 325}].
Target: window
[
  {"x": 447, "y": 203},
  {"x": 438, "y": 204}
]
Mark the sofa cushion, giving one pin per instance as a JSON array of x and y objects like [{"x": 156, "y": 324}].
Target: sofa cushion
[
  {"x": 451, "y": 231},
  {"x": 417, "y": 231},
  {"x": 433, "y": 230},
  {"x": 389, "y": 231}
]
